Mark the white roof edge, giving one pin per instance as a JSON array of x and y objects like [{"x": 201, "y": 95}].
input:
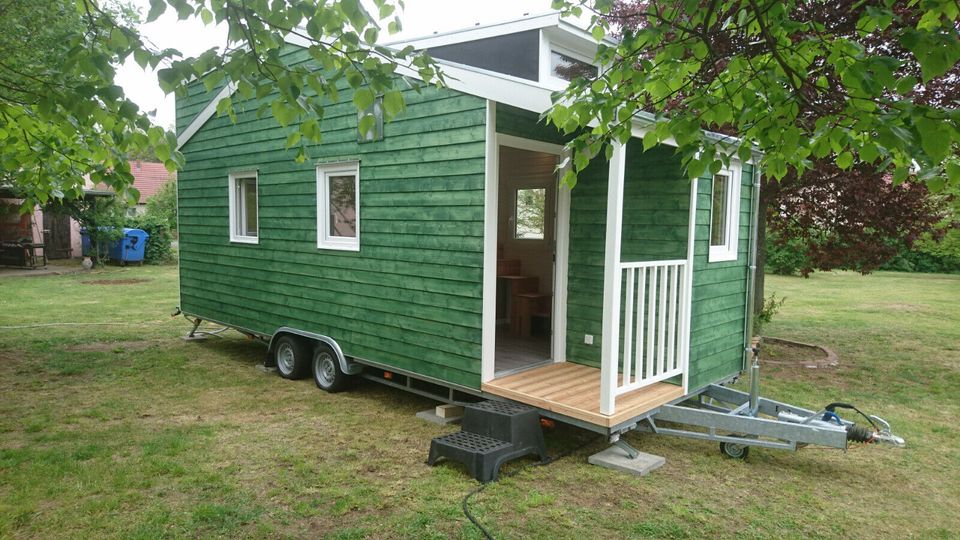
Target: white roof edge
[
  {"x": 482, "y": 83},
  {"x": 474, "y": 33},
  {"x": 205, "y": 114}
]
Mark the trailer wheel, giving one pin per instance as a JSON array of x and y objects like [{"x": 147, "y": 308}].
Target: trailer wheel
[
  {"x": 292, "y": 356},
  {"x": 734, "y": 450},
  {"x": 326, "y": 370}
]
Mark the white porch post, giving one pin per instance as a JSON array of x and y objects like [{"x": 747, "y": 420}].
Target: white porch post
[
  {"x": 688, "y": 286},
  {"x": 610, "y": 348},
  {"x": 488, "y": 333}
]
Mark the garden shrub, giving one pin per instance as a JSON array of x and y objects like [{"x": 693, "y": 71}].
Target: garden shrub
[
  {"x": 786, "y": 257},
  {"x": 159, "y": 249}
]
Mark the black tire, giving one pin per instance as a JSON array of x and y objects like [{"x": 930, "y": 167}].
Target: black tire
[
  {"x": 292, "y": 357},
  {"x": 735, "y": 450},
  {"x": 326, "y": 370}
]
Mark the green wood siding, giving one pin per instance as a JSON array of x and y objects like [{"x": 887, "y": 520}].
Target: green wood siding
[
  {"x": 719, "y": 294},
  {"x": 190, "y": 104},
  {"x": 655, "y": 225},
  {"x": 411, "y": 297},
  {"x": 521, "y": 123}
]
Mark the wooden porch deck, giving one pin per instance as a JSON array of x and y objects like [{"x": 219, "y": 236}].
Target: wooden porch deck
[{"x": 574, "y": 390}]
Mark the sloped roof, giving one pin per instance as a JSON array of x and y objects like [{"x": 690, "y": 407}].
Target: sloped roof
[
  {"x": 498, "y": 87},
  {"x": 149, "y": 177}
]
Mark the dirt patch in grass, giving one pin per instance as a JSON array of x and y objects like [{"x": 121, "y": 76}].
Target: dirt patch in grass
[
  {"x": 787, "y": 353},
  {"x": 105, "y": 346},
  {"x": 115, "y": 281}
]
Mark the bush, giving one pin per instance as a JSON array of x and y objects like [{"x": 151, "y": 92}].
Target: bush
[
  {"x": 163, "y": 205},
  {"x": 785, "y": 257},
  {"x": 920, "y": 261},
  {"x": 771, "y": 306},
  {"x": 158, "y": 250}
]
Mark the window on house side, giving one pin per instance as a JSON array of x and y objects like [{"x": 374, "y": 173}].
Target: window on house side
[
  {"x": 244, "y": 208},
  {"x": 724, "y": 215},
  {"x": 371, "y": 129},
  {"x": 718, "y": 217},
  {"x": 568, "y": 69},
  {"x": 338, "y": 206}
]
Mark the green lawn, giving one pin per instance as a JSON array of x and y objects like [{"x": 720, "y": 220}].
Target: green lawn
[{"x": 113, "y": 430}]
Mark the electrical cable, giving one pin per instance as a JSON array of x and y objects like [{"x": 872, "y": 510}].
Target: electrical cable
[
  {"x": 481, "y": 487},
  {"x": 840, "y": 405},
  {"x": 47, "y": 325}
]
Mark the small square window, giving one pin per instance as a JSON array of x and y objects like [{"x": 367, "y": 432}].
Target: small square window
[
  {"x": 568, "y": 69},
  {"x": 338, "y": 206},
  {"x": 370, "y": 122},
  {"x": 531, "y": 206},
  {"x": 724, "y": 215},
  {"x": 244, "y": 212}
]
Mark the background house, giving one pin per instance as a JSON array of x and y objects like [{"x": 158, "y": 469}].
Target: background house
[
  {"x": 148, "y": 178},
  {"x": 56, "y": 230}
]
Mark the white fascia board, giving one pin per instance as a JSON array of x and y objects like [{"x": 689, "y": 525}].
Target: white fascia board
[
  {"x": 486, "y": 84},
  {"x": 535, "y": 22},
  {"x": 200, "y": 119},
  {"x": 574, "y": 29},
  {"x": 490, "y": 85}
]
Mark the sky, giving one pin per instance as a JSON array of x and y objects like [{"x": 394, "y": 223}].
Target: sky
[{"x": 191, "y": 37}]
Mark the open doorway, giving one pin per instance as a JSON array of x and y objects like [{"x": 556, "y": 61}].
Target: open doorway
[{"x": 526, "y": 242}]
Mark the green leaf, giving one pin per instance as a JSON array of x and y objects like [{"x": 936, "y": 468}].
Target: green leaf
[
  {"x": 366, "y": 125},
  {"x": 953, "y": 172},
  {"x": 157, "y": 7},
  {"x": 934, "y": 139},
  {"x": 845, "y": 160},
  {"x": 569, "y": 179},
  {"x": 293, "y": 139},
  {"x": 650, "y": 140},
  {"x": 363, "y": 98},
  {"x": 393, "y": 103},
  {"x": 598, "y": 33}
]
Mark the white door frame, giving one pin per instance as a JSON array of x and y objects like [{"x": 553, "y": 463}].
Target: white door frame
[{"x": 491, "y": 197}]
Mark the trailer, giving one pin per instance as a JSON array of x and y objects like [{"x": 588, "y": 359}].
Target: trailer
[{"x": 440, "y": 254}]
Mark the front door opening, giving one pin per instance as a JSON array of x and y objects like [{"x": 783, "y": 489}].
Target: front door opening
[{"x": 526, "y": 239}]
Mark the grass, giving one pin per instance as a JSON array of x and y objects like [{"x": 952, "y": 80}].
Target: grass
[{"x": 124, "y": 430}]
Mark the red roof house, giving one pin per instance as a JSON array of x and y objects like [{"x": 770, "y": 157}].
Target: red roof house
[{"x": 149, "y": 177}]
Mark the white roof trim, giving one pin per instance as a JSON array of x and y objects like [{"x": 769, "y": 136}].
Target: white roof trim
[
  {"x": 205, "y": 114},
  {"x": 498, "y": 87},
  {"x": 535, "y": 22},
  {"x": 474, "y": 33},
  {"x": 490, "y": 85}
]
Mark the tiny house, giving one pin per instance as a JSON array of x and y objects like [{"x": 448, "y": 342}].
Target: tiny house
[{"x": 441, "y": 250}]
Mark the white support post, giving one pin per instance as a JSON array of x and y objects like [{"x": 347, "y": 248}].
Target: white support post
[
  {"x": 610, "y": 349},
  {"x": 491, "y": 183},
  {"x": 688, "y": 286}
]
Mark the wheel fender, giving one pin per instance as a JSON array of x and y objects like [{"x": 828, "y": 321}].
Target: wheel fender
[{"x": 348, "y": 367}]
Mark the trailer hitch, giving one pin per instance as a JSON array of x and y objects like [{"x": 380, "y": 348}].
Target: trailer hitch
[{"x": 878, "y": 432}]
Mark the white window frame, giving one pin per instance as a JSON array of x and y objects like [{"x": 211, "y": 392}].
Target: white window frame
[
  {"x": 324, "y": 239},
  {"x": 728, "y": 251},
  {"x": 547, "y": 48},
  {"x": 235, "y": 209}
]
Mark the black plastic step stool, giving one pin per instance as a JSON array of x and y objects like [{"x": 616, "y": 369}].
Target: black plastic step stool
[{"x": 492, "y": 432}]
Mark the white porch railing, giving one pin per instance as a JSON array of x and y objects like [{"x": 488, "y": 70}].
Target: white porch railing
[
  {"x": 649, "y": 301},
  {"x": 652, "y": 348}
]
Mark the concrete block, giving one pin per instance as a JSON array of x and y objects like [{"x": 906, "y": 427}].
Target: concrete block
[
  {"x": 266, "y": 369},
  {"x": 449, "y": 411},
  {"x": 616, "y": 458},
  {"x": 430, "y": 415}
]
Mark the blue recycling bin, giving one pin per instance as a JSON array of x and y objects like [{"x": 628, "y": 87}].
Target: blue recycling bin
[{"x": 130, "y": 248}]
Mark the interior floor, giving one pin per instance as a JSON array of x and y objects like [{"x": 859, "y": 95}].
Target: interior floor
[{"x": 515, "y": 353}]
